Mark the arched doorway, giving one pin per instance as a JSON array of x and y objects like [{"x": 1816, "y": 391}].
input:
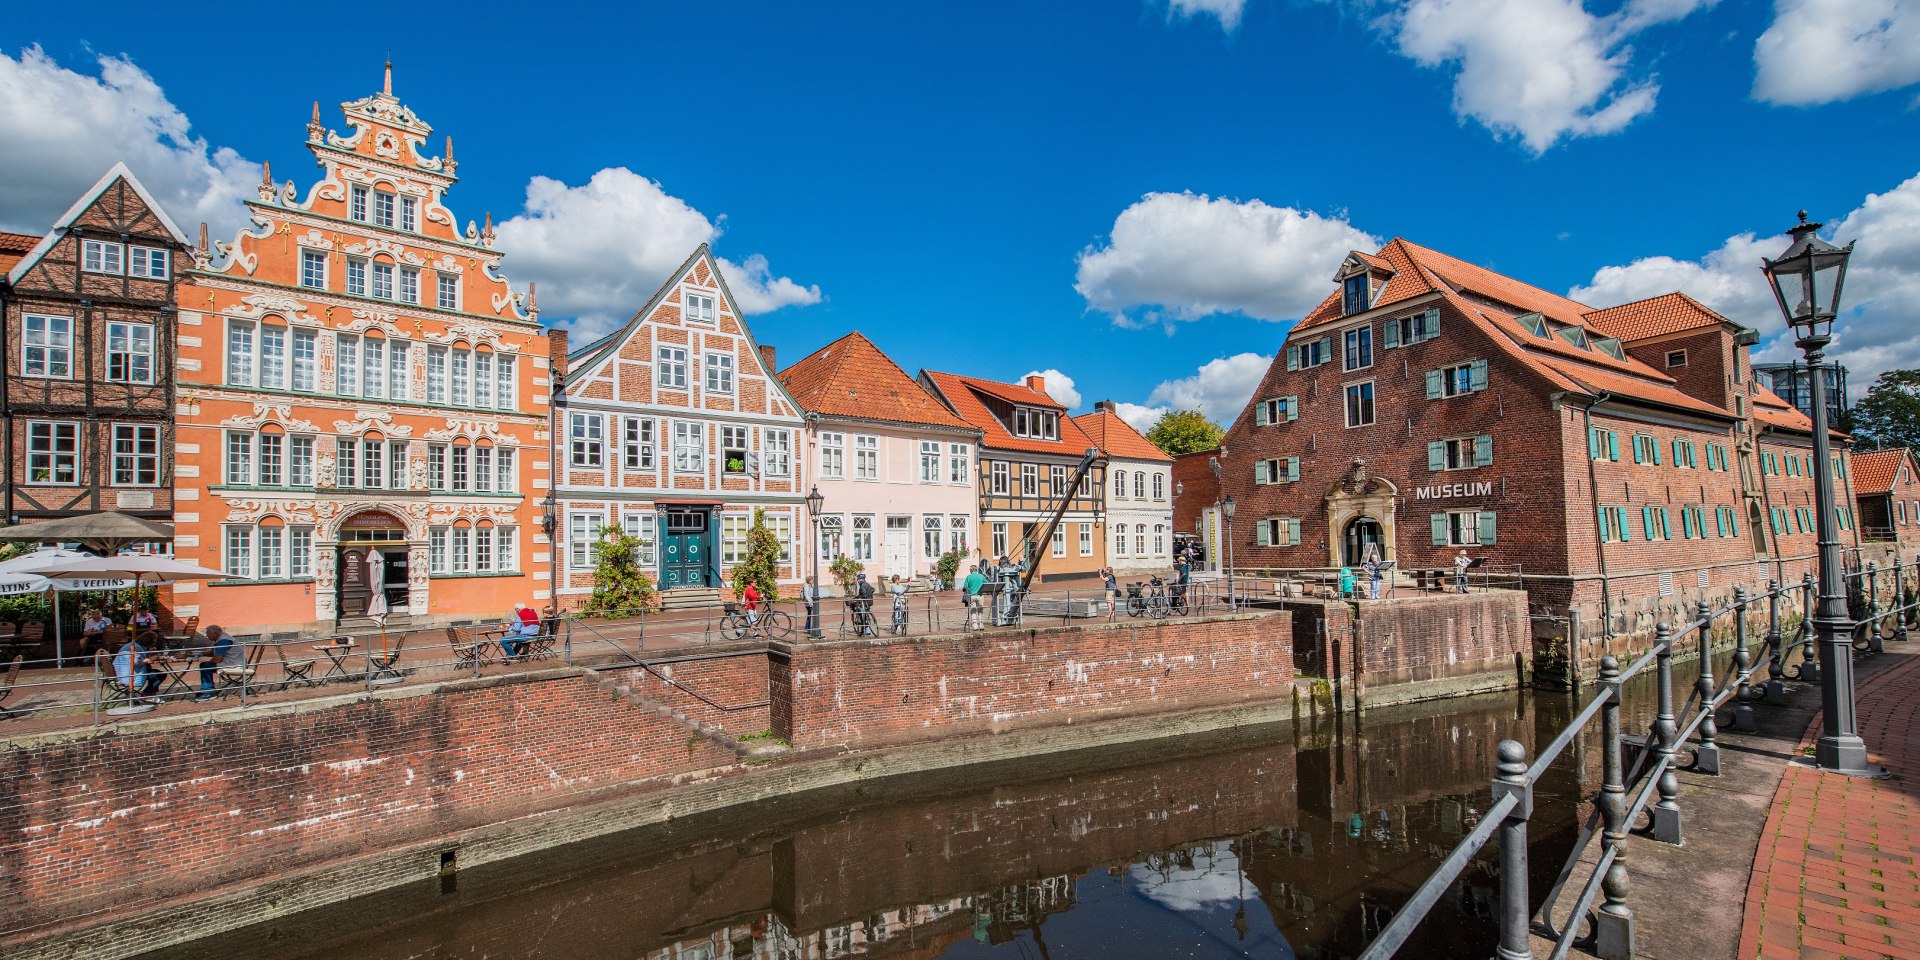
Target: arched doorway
[
  {"x": 372, "y": 556},
  {"x": 1363, "y": 532}
]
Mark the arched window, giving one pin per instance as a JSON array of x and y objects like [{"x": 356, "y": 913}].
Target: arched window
[
  {"x": 1139, "y": 485},
  {"x": 1159, "y": 486},
  {"x": 1120, "y": 540},
  {"x": 1159, "y": 540},
  {"x": 1119, "y": 483},
  {"x": 1140, "y": 539},
  {"x": 483, "y": 467},
  {"x": 270, "y": 549}
]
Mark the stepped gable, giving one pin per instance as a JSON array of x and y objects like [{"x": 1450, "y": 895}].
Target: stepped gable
[
  {"x": 851, "y": 377},
  {"x": 1117, "y": 438}
]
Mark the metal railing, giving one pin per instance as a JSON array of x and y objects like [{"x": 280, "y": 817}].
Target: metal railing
[
  {"x": 1266, "y": 584},
  {"x": 1648, "y": 784}
]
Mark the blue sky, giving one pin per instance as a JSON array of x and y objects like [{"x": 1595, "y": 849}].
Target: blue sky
[{"x": 969, "y": 184}]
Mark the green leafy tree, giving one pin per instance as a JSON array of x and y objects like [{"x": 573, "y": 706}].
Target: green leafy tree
[
  {"x": 1890, "y": 415},
  {"x": 620, "y": 586},
  {"x": 1184, "y": 431},
  {"x": 844, "y": 569},
  {"x": 948, "y": 566},
  {"x": 761, "y": 565}
]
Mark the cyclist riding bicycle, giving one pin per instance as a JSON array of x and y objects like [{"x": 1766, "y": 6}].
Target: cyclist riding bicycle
[
  {"x": 863, "y": 606},
  {"x": 750, "y": 599}
]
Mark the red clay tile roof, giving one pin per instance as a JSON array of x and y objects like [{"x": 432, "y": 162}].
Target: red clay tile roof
[
  {"x": 1372, "y": 261},
  {"x": 1769, "y": 409},
  {"x": 851, "y": 377},
  {"x": 1117, "y": 438},
  {"x": 964, "y": 395},
  {"x": 1654, "y": 317},
  {"x": 17, "y": 243},
  {"x": 1875, "y": 471}
]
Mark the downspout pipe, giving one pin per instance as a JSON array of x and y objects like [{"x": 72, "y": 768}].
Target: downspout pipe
[{"x": 1599, "y": 542}]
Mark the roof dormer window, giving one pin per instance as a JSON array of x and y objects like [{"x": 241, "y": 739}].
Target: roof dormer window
[
  {"x": 1356, "y": 294},
  {"x": 1034, "y": 424}
]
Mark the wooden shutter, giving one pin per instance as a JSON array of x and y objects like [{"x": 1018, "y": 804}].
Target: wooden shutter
[
  {"x": 1605, "y": 534},
  {"x": 1483, "y": 450},
  {"x": 1613, "y": 446},
  {"x": 1620, "y": 522},
  {"x": 1260, "y": 533},
  {"x": 1488, "y": 528},
  {"x": 1431, "y": 328},
  {"x": 1293, "y": 469},
  {"x": 1260, "y": 414},
  {"x": 1293, "y": 531},
  {"x": 1437, "y": 455},
  {"x": 1260, "y": 471},
  {"x": 1433, "y": 384},
  {"x": 1439, "y": 529},
  {"x": 1293, "y": 358},
  {"x": 1478, "y": 373},
  {"x": 1390, "y": 335},
  {"x": 1593, "y": 443},
  {"x": 1326, "y": 348},
  {"x": 1639, "y": 449},
  {"x": 1293, "y": 408}
]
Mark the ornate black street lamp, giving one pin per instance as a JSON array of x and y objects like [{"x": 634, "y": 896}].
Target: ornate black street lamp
[
  {"x": 814, "y": 502},
  {"x": 1226, "y": 510},
  {"x": 1806, "y": 280}
]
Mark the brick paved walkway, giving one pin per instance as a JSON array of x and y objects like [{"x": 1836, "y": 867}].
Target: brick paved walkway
[{"x": 1835, "y": 874}]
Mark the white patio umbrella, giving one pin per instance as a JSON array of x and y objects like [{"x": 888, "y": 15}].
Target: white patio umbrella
[
  {"x": 140, "y": 568},
  {"x": 30, "y": 565}
]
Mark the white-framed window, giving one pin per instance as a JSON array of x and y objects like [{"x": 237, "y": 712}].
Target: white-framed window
[
  {"x": 670, "y": 369},
  {"x": 1159, "y": 486},
  {"x": 959, "y": 463},
  {"x": 238, "y": 559},
  {"x": 381, "y": 274},
  {"x": 258, "y": 355},
  {"x": 483, "y": 469},
  {"x": 46, "y": 348},
  {"x": 700, "y": 308},
  {"x": 313, "y": 269},
  {"x": 781, "y": 526},
  {"x": 437, "y": 374},
  {"x": 1140, "y": 485},
  {"x": 689, "y": 446},
  {"x": 1360, "y": 404},
  {"x": 997, "y": 479},
  {"x": 299, "y": 460},
  {"x": 53, "y": 453},
  {"x": 719, "y": 368},
  {"x": 306, "y": 363},
  {"x": 733, "y": 537},
  {"x": 830, "y": 533},
  {"x": 239, "y": 459},
  {"x": 1456, "y": 380},
  {"x": 268, "y": 551},
  {"x": 129, "y": 352},
  {"x": 1119, "y": 484},
  {"x": 346, "y": 456},
  {"x": 866, "y": 457},
  {"x": 641, "y": 526},
  {"x": 1060, "y": 540},
  {"x": 504, "y": 478},
  {"x": 957, "y": 532},
  {"x": 1159, "y": 539},
  {"x": 436, "y": 466},
  {"x": 862, "y": 538},
  {"x": 300, "y": 553},
  {"x": 462, "y": 548},
  {"x": 357, "y": 203},
  {"x": 583, "y": 531},
  {"x": 357, "y": 276},
  {"x": 148, "y": 263},
  {"x": 409, "y": 214},
  {"x": 272, "y": 541},
  {"x": 1460, "y": 453},
  {"x": 1029, "y": 480},
  {"x": 733, "y": 449},
  {"x": 1140, "y": 539},
  {"x": 1120, "y": 540},
  {"x": 929, "y": 461},
  {"x": 1056, "y": 481},
  {"x": 833, "y": 456},
  {"x": 930, "y": 529},
  {"x": 382, "y": 208},
  {"x": 1463, "y": 528},
  {"x": 136, "y": 455},
  {"x": 409, "y": 284},
  {"x": 586, "y": 433},
  {"x": 1359, "y": 349},
  {"x": 100, "y": 256},
  {"x": 398, "y": 353},
  {"x": 998, "y": 532},
  {"x": 447, "y": 291},
  {"x": 1036, "y": 424},
  {"x": 776, "y": 452},
  {"x": 504, "y": 383},
  {"x": 638, "y": 443},
  {"x": 1086, "y": 539}
]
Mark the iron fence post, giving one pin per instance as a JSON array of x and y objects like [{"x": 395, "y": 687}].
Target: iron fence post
[
  {"x": 1899, "y": 599},
  {"x": 1706, "y": 757},
  {"x": 473, "y": 637},
  {"x": 366, "y": 679},
  {"x": 1515, "y": 916},
  {"x": 1613, "y": 928},
  {"x": 1874, "y": 644},
  {"x": 1742, "y": 663},
  {"x": 566, "y": 638},
  {"x": 1776, "y": 668},
  {"x": 99, "y": 691},
  {"x": 1809, "y": 662},
  {"x": 1666, "y": 813}
]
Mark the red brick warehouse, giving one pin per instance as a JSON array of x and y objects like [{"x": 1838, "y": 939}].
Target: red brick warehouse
[{"x": 1625, "y": 460}]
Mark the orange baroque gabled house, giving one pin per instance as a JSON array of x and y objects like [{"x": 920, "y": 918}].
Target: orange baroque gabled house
[{"x": 363, "y": 405}]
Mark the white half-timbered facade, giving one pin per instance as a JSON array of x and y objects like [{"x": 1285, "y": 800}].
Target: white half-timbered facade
[{"x": 675, "y": 429}]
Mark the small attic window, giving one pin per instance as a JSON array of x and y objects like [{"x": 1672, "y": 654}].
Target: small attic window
[
  {"x": 1609, "y": 346},
  {"x": 1533, "y": 322},
  {"x": 1676, "y": 358},
  {"x": 1356, "y": 294},
  {"x": 1573, "y": 335}
]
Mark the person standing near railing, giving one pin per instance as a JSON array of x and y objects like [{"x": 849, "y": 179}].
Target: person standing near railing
[
  {"x": 972, "y": 585},
  {"x": 1111, "y": 586},
  {"x": 810, "y": 599},
  {"x": 1460, "y": 564},
  {"x": 1373, "y": 576}
]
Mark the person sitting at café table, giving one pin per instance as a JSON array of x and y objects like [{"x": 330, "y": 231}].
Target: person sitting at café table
[
  {"x": 525, "y": 625},
  {"x": 130, "y": 668},
  {"x": 145, "y": 622},
  {"x": 222, "y": 652},
  {"x": 93, "y": 630}
]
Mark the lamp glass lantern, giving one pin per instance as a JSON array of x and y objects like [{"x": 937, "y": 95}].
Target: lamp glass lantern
[
  {"x": 814, "y": 502},
  {"x": 1226, "y": 506},
  {"x": 1807, "y": 281}
]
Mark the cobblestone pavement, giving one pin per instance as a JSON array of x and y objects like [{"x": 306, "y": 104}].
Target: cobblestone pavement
[{"x": 1835, "y": 875}]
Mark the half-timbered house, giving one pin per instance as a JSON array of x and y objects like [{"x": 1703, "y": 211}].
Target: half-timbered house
[
  {"x": 88, "y": 392},
  {"x": 675, "y": 429}
]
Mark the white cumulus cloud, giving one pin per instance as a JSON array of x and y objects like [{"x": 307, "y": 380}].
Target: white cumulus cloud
[
  {"x": 1059, "y": 386},
  {"x": 1877, "y": 329},
  {"x": 1220, "y": 388},
  {"x": 1537, "y": 70},
  {"x": 1226, "y": 11},
  {"x": 598, "y": 250},
  {"x": 1183, "y": 256},
  {"x": 61, "y": 129},
  {"x": 1819, "y": 51}
]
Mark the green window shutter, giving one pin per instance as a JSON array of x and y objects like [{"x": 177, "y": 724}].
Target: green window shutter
[
  {"x": 1293, "y": 531},
  {"x": 1260, "y": 414},
  {"x": 1720, "y": 521},
  {"x": 1293, "y": 408},
  {"x": 1605, "y": 534},
  {"x": 1439, "y": 529},
  {"x": 1646, "y": 521},
  {"x": 1639, "y": 449},
  {"x": 1733, "y": 522},
  {"x": 1431, "y": 328},
  {"x": 1293, "y": 469},
  {"x": 1691, "y": 462},
  {"x": 1436, "y": 455},
  {"x": 1478, "y": 373},
  {"x": 1293, "y": 358},
  {"x": 1259, "y": 471},
  {"x": 1260, "y": 535},
  {"x": 1620, "y": 522},
  {"x": 1653, "y": 447},
  {"x": 1483, "y": 451},
  {"x": 1613, "y": 446},
  {"x": 1390, "y": 335},
  {"x": 1488, "y": 528},
  {"x": 1326, "y": 348},
  {"x": 1593, "y": 443},
  {"x": 1666, "y": 532},
  {"x": 1433, "y": 384}
]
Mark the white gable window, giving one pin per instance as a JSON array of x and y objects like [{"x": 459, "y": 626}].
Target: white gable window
[
  {"x": 147, "y": 262},
  {"x": 689, "y": 446},
  {"x": 670, "y": 370},
  {"x": 638, "y": 444},
  {"x": 313, "y": 269},
  {"x": 700, "y": 308},
  {"x": 47, "y": 348},
  {"x": 449, "y": 290},
  {"x": 776, "y": 452},
  {"x": 719, "y": 372},
  {"x": 833, "y": 456},
  {"x": 99, "y": 256},
  {"x": 586, "y": 440}
]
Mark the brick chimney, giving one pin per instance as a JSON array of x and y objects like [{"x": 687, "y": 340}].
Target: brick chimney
[
  {"x": 766, "y": 357},
  {"x": 1036, "y": 382},
  {"x": 1106, "y": 405},
  {"x": 557, "y": 354}
]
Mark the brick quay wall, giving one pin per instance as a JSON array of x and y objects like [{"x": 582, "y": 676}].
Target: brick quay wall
[{"x": 169, "y": 827}]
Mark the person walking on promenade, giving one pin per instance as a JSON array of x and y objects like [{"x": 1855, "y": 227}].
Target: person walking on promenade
[{"x": 972, "y": 586}]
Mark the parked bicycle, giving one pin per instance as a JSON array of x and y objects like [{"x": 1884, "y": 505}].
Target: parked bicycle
[
  {"x": 1152, "y": 600},
  {"x": 737, "y": 623},
  {"x": 899, "y": 616}
]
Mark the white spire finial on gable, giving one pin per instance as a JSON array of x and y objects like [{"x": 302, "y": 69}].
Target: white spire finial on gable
[{"x": 387, "y": 87}]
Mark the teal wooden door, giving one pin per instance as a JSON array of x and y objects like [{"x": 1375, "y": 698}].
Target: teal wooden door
[{"x": 683, "y": 553}]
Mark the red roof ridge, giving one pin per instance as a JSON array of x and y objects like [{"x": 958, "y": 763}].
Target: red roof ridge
[
  {"x": 830, "y": 381},
  {"x": 1874, "y": 471},
  {"x": 1116, "y": 437}
]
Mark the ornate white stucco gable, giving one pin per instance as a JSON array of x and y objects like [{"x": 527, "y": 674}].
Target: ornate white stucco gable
[
  {"x": 466, "y": 429},
  {"x": 372, "y": 420},
  {"x": 275, "y": 413},
  {"x": 257, "y": 305}
]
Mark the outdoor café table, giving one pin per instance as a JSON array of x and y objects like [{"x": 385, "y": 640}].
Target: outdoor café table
[
  {"x": 178, "y": 670},
  {"x": 337, "y": 653}
]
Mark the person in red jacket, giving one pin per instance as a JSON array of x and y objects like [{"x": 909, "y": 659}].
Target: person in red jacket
[
  {"x": 752, "y": 599},
  {"x": 526, "y": 625}
]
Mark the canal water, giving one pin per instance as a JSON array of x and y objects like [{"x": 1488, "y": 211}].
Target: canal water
[{"x": 1295, "y": 840}]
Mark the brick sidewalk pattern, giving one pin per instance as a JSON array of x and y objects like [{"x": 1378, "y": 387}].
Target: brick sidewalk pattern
[{"x": 1835, "y": 873}]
